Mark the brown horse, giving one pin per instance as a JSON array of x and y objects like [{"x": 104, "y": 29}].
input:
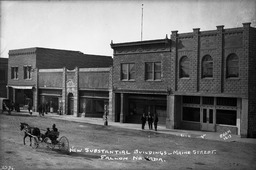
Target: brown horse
[{"x": 29, "y": 131}]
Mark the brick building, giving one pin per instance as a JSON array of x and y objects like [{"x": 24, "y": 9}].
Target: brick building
[
  {"x": 202, "y": 80},
  {"x": 3, "y": 76},
  {"x": 41, "y": 75}
]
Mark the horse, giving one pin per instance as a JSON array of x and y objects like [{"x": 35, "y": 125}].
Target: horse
[{"x": 29, "y": 131}]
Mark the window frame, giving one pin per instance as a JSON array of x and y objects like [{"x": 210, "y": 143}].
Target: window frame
[
  {"x": 228, "y": 66},
  {"x": 14, "y": 73},
  {"x": 182, "y": 60},
  {"x": 27, "y": 70},
  {"x": 129, "y": 71},
  {"x": 153, "y": 71},
  {"x": 204, "y": 66}
]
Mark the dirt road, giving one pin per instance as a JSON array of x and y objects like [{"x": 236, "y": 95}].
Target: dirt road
[{"x": 101, "y": 147}]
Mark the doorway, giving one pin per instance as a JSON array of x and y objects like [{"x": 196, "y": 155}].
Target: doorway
[
  {"x": 208, "y": 119},
  {"x": 70, "y": 104}
]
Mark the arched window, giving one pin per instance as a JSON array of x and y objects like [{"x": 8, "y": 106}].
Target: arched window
[
  {"x": 184, "y": 67},
  {"x": 207, "y": 66},
  {"x": 232, "y": 66}
]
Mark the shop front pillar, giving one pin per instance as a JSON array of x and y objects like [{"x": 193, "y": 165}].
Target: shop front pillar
[
  {"x": 170, "y": 112},
  {"x": 111, "y": 107},
  {"x": 14, "y": 95},
  {"x": 122, "y": 109},
  {"x": 35, "y": 98},
  {"x": 76, "y": 96},
  {"x": 7, "y": 92},
  {"x": 64, "y": 93},
  {"x": 244, "y": 119}
]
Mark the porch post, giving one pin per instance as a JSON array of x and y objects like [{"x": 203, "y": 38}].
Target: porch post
[{"x": 122, "y": 109}]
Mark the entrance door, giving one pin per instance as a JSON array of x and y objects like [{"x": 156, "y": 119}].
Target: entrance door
[
  {"x": 208, "y": 119},
  {"x": 70, "y": 104}
]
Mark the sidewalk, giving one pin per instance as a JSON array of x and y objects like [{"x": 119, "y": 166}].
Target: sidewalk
[{"x": 160, "y": 129}]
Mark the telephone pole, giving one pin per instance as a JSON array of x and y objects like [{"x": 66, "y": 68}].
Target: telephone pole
[{"x": 141, "y": 21}]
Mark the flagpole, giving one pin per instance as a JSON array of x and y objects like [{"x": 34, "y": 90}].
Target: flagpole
[{"x": 141, "y": 22}]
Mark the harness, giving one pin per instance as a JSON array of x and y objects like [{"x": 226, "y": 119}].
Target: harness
[{"x": 26, "y": 130}]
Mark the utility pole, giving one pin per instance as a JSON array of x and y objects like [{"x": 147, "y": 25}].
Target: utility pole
[{"x": 141, "y": 21}]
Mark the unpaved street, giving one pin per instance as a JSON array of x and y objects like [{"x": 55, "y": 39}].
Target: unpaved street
[{"x": 101, "y": 147}]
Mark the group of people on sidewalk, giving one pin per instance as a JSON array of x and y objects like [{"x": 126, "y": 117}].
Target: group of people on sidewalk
[
  {"x": 42, "y": 109},
  {"x": 151, "y": 119}
]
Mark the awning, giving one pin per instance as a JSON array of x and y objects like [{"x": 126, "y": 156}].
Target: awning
[{"x": 21, "y": 87}]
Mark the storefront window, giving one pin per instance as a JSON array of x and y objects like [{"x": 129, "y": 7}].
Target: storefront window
[
  {"x": 226, "y": 117},
  {"x": 191, "y": 99},
  {"x": 224, "y": 101},
  {"x": 99, "y": 106},
  {"x": 208, "y": 100},
  {"x": 92, "y": 107},
  {"x": 191, "y": 114}
]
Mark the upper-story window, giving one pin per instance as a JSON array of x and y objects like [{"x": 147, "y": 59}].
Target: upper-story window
[
  {"x": 14, "y": 72},
  {"x": 153, "y": 71},
  {"x": 127, "y": 71},
  {"x": 207, "y": 66},
  {"x": 184, "y": 67},
  {"x": 232, "y": 66},
  {"x": 27, "y": 72}
]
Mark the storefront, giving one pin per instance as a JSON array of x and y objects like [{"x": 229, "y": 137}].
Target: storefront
[
  {"x": 52, "y": 99},
  {"x": 134, "y": 105},
  {"x": 21, "y": 95},
  {"x": 215, "y": 114},
  {"x": 91, "y": 103}
]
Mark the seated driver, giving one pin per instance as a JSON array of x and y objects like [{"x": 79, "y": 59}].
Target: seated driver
[
  {"x": 54, "y": 128},
  {"x": 54, "y": 134}
]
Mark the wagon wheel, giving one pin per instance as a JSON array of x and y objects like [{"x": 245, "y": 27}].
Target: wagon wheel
[
  {"x": 34, "y": 143},
  {"x": 48, "y": 143},
  {"x": 64, "y": 144}
]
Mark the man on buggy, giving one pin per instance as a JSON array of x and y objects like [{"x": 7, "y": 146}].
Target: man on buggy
[{"x": 53, "y": 134}]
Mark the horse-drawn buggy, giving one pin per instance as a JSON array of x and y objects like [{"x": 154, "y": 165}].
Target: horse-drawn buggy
[{"x": 50, "y": 139}]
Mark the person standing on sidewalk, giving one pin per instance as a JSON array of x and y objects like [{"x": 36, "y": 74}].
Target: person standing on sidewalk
[
  {"x": 105, "y": 116},
  {"x": 155, "y": 121},
  {"x": 150, "y": 121},
  {"x": 40, "y": 110},
  {"x": 30, "y": 107},
  {"x": 143, "y": 121}
]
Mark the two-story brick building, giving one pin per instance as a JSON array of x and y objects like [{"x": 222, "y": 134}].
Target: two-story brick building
[
  {"x": 202, "y": 80},
  {"x": 140, "y": 79},
  {"x": 45, "y": 75}
]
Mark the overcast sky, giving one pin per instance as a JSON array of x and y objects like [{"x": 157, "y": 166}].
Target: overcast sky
[{"x": 89, "y": 26}]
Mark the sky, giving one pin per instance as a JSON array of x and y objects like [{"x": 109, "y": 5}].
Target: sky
[{"x": 90, "y": 26}]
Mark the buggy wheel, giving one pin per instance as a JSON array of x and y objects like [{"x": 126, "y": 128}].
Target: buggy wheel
[
  {"x": 48, "y": 143},
  {"x": 64, "y": 144},
  {"x": 35, "y": 143}
]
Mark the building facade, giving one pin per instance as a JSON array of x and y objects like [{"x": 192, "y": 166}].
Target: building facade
[
  {"x": 3, "y": 76},
  {"x": 202, "y": 80},
  {"x": 140, "y": 79},
  {"x": 40, "y": 74},
  {"x": 82, "y": 92}
]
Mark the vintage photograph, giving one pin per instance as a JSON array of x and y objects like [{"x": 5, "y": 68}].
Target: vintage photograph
[{"x": 128, "y": 84}]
